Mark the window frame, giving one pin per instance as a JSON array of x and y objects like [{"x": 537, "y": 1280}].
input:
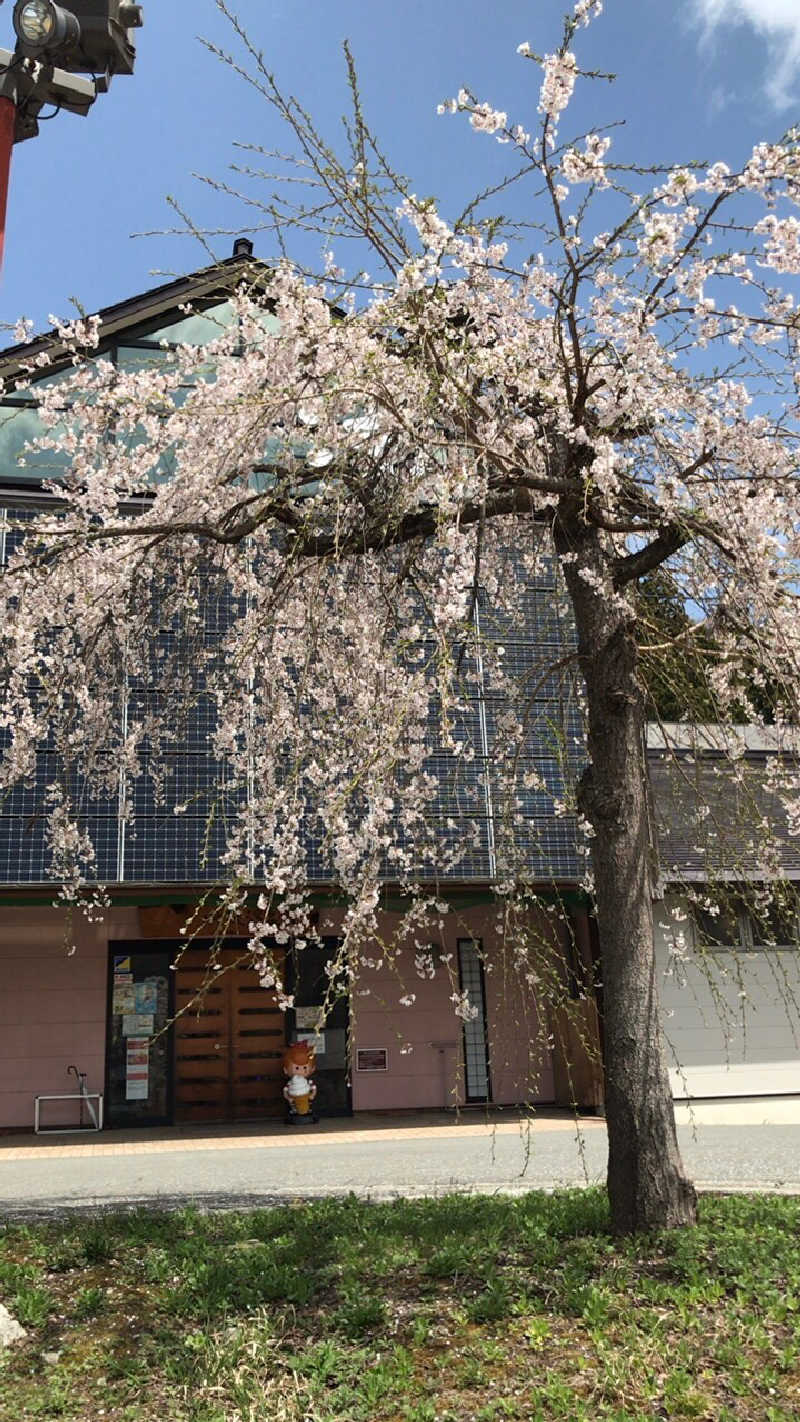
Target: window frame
[{"x": 748, "y": 942}]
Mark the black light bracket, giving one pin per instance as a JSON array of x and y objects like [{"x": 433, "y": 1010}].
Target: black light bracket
[{"x": 32, "y": 86}]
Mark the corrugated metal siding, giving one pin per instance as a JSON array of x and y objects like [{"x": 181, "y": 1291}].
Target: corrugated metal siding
[{"x": 714, "y": 816}]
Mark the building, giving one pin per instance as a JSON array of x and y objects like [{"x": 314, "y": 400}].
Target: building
[
  {"x": 106, "y": 1008},
  {"x": 165, "y": 1037},
  {"x": 728, "y": 957}
]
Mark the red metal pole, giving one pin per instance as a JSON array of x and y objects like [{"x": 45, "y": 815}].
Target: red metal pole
[{"x": 8, "y": 121}]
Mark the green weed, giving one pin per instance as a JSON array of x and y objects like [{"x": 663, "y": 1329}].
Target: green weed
[
  {"x": 89, "y": 1302},
  {"x": 31, "y": 1305},
  {"x": 492, "y": 1304},
  {"x": 98, "y": 1243},
  {"x": 358, "y": 1314},
  {"x": 424, "y": 1310}
]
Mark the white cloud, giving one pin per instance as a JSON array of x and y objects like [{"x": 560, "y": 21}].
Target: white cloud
[
  {"x": 778, "y": 21},
  {"x": 719, "y": 98}
]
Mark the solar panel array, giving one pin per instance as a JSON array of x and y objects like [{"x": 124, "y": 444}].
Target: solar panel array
[{"x": 502, "y": 809}]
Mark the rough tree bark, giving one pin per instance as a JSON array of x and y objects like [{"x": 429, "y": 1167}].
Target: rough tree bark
[{"x": 646, "y": 1182}]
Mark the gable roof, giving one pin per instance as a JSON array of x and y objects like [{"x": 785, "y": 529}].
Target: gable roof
[{"x": 148, "y": 310}]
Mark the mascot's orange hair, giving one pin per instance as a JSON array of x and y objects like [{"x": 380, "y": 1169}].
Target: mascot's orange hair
[{"x": 299, "y": 1054}]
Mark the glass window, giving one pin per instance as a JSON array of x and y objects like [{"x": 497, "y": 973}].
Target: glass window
[
  {"x": 136, "y": 358},
  {"x": 57, "y": 377},
  {"x": 475, "y": 1054},
  {"x": 739, "y": 920},
  {"x": 198, "y": 328},
  {"x": 19, "y": 424},
  {"x": 776, "y": 924},
  {"x": 718, "y": 926}
]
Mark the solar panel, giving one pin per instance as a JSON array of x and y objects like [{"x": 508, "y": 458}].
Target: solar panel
[{"x": 515, "y": 714}]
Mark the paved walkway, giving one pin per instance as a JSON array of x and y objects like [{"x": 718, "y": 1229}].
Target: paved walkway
[{"x": 744, "y": 1145}]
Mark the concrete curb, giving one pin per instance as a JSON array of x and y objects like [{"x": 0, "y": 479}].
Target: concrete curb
[{"x": 11, "y": 1212}]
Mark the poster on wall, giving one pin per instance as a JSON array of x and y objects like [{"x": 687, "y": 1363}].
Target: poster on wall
[
  {"x": 138, "y": 1024},
  {"x": 124, "y": 999},
  {"x": 315, "y": 1040},
  {"x": 307, "y": 1017},
  {"x": 137, "y": 1069},
  {"x": 372, "y": 1059},
  {"x": 145, "y": 998}
]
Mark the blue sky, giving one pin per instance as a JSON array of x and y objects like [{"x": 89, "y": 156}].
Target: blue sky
[{"x": 697, "y": 79}]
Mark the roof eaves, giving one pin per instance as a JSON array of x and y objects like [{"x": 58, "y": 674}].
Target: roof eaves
[
  {"x": 716, "y": 739},
  {"x": 201, "y": 288}
]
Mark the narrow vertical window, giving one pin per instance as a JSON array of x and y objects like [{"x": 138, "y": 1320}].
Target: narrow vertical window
[{"x": 476, "y": 1064}]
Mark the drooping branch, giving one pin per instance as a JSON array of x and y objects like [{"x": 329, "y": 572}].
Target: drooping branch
[
  {"x": 372, "y": 536},
  {"x": 645, "y": 560}
]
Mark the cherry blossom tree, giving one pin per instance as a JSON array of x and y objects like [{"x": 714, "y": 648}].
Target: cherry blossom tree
[{"x": 354, "y": 458}]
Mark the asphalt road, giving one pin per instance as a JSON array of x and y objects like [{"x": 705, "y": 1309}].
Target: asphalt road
[{"x": 242, "y": 1167}]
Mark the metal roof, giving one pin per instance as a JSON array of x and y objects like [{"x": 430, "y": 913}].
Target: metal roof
[{"x": 718, "y": 813}]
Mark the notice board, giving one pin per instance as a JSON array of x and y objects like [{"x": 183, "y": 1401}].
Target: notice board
[{"x": 139, "y": 1045}]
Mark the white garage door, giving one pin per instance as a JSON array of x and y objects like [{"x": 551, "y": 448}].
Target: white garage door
[{"x": 732, "y": 1020}]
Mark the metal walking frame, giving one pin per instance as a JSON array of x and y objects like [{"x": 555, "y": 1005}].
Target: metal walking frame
[{"x": 83, "y": 1096}]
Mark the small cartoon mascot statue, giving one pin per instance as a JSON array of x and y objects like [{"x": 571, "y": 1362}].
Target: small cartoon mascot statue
[{"x": 299, "y": 1091}]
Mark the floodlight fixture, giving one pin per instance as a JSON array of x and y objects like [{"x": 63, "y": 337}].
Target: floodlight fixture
[
  {"x": 44, "y": 28},
  {"x": 107, "y": 37},
  {"x": 84, "y": 37},
  {"x": 65, "y": 55}
]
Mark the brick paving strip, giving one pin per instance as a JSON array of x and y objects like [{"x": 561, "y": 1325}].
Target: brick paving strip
[{"x": 156, "y": 1141}]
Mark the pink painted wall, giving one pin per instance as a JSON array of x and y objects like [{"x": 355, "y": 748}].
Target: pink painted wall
[
  {"x": 52, "y": 1007},
  {"x": 424, "y": 1042},
  {"x": 419, "y": 1073}
]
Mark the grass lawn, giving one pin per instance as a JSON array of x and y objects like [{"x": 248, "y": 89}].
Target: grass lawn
[{"x": 442, "y": 1310}]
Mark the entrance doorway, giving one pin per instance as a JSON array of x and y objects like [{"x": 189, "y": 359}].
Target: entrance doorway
[
  {"x": 229, "y": 1038},
  {"x": 194, "y": 1037}
]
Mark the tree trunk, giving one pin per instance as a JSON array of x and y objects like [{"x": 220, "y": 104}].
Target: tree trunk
[{"x": 646, "y": 1183}]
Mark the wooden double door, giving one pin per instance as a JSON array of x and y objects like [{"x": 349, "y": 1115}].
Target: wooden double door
[{"x": 229, "y": 1039}]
